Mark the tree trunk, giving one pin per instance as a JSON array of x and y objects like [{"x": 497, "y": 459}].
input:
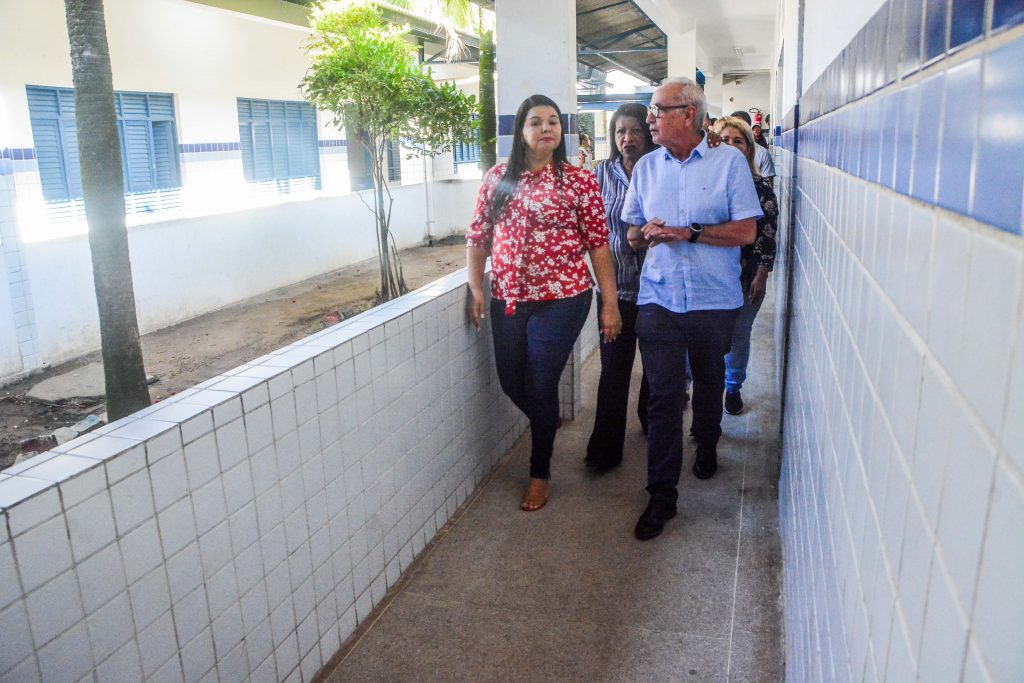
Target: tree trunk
[
  {"x": 488, "y": 115},
  {"x": 99, "y": 150}
]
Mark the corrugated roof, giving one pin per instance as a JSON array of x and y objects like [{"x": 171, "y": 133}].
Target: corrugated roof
[{"x": 616, "y": 34}]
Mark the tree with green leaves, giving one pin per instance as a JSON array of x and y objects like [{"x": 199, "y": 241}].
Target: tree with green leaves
[
  {"x": 99, "y": 152},
  {"x": 364, "y": 72}
]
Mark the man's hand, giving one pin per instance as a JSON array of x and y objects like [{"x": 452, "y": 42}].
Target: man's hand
[
  {"x": 656, "y": 232},
  {"x": 635, "y": 237}
]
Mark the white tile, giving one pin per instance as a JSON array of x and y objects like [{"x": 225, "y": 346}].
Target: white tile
[
  {"x": 169, "y": 480},
  {"x": 104, "y": 447},
  {"x": 279, "y": 588},
  {"x": 140, "y": 550},
  {"x": 259, "y": 427},
  {"x": 201, "y": 461},
  {"x": 150, "y": 598},
  {"x": 234, "y": 666},
  {"x": 132, "y": 501},
  {"x": 68, "y": 657},
  {"x": 125, "y": 464},
  {"x": 238, "y": 487},
  {"x": 280, "y": 385},
  {"x": 255, "y": 608},
  {"x": 196, "y": 427},
  {"x": 54, "y": 608},
  {"x": 157, "y": 644},
  {"x": 91, "y": 525},
  {"x": 964, "y": 505},
  {"x": 215, "y": 549},
  {"x": 110, "y": 627},
  {"x": 124, "y": 665},
  {"x": 169, "y": 672},
  {"x": 255, "y": 397},
  {"x": 264, "y": 469},
  {"x": 29, "y": 513},
  {"x": 209, "y": 505},
  {"x": 231, "y": 444},
  {"x": 998, "y": 618},
  {"x": 16, "y": 643},
  {"x": 59, "y": 468},
  {"x": 932, "y": 448},
  {"x": 9, "y": 588},
  {"x": 244, "y": 525},
  {"x": 191, "y": 615},
  {"x": 82, "y": 486},
  {"x": 43, "y": 553},
  {"x": 1012, "y": 436},
  {"x": 184, "y": 572},
  {"x": 949, "y": 269},
  {"x": 228, "y": 411},
  {"x": 305, "y": 402},
  {"x": 177, "y": 526},
  {"x": 197, "y": 656},
  {"x": 249, "y": 568},
  {"x": 101, "y": 577},
  {"x": 914, "y": 572},
  {"x": 222, "y": 590},
  {"x": 227, "y": 628},
  {"x": 974, "y": 670},
  {"x": 945, "y": 633}
]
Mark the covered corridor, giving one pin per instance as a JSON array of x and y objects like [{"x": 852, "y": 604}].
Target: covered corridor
[{"x": 567, "y": 593}]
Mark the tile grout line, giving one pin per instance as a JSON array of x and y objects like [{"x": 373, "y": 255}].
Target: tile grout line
[{"x": 739, "y": 536}]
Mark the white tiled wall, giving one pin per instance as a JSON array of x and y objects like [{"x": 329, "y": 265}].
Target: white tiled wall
[
  {"x": 243, "y": 528},
  {"x": 903, "y": 467}
]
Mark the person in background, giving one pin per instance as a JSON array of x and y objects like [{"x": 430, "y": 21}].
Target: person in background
[
  {"x": 762, "y": 157},
  {"x": 586, "y": 150},
  {"x": 631, "y": 139},
  {"x": 692, "y": 207},
  {"x": 759, "y": 136},
  {"x": 537, "y": 216},
  {"x": 756, "y": 261}
]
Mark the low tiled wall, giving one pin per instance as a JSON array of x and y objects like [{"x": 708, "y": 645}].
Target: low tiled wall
[{"x": 242, "y": 528}]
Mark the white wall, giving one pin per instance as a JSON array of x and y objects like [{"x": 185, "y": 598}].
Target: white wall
[
  {"x": 753, "y": 90},
  {"x": 241, "y": 530},
  {"x": 829, "y": 27},
  {"x": 184, "y": 268}
]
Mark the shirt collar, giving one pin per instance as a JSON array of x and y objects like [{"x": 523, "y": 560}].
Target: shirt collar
[{"x": 700, "y": 150}]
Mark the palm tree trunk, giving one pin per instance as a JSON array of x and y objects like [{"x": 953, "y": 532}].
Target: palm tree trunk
[
  {"x": 488, "y": 115},
  {"x": 99, "y": 150}
]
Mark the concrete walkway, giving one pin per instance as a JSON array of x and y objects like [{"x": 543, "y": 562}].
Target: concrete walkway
[{"x": 567, "y": 594}]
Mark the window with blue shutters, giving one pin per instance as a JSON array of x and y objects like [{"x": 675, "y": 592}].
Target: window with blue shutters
[
  {"x": 149, "y": 142},
  {"x": 278, "y": 140}
]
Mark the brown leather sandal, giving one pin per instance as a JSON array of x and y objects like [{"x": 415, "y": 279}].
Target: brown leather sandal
[{"x": 536, "y": 495}]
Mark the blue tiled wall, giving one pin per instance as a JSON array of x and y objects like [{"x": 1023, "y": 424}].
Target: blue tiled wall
[{"x": 900, "y": 108}]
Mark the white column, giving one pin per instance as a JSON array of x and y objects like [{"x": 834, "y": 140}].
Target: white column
[
  {"x": 713, "y": 92},
  {"x": 682, "y": 55},
  {"x": 535, "y": 50}
]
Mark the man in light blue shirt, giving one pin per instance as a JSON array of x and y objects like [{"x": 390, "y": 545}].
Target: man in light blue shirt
[{"x": 693, "y": 207}]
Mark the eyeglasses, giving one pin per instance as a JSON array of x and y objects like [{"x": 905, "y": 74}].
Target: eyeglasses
[{"x": 658, "y": 109}]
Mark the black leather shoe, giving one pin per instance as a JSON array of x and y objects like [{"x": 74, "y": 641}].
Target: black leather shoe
[
  {"x": 733, "y": 402},
  {"x": 652, "y": 522},
  {"x": 600, "y": 465},
  {"x": 706, "y": 463}
]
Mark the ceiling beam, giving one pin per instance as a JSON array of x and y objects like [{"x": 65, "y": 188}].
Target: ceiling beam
[
  {"x": 598, "y": 9},
  {"x": 608, "y": 41}
]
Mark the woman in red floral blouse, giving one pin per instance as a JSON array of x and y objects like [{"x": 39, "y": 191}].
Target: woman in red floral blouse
[{"x": 537, "y": 216}]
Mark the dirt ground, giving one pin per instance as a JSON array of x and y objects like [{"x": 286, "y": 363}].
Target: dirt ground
[{"x": 201, "y": 348}]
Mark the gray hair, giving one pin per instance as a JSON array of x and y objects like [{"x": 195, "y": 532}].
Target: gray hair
[{"x": 691, "y": 94}]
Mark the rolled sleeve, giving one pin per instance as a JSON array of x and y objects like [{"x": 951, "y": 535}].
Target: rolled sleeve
[
  {"x": 480, "y": 232},
  {"x": 590, "y": 212},
  {"x": 632, "y": 206},
  {"x": 743, "y": 201}
]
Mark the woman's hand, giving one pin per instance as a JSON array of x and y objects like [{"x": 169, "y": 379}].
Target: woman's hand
[
  {"x": 714, "y": 139},
  {"x": 758, "y": 286},
  {"x": 476, "y": 306},
  {"x": 611, "y": 320}
]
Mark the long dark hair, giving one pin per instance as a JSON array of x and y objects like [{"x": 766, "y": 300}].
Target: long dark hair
[
  {"x": 517, "y": 159},
  {"x": 636, "y": 111}
]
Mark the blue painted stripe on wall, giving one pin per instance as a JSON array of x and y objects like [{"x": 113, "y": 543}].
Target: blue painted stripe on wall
[
  {"x": 197, "y": 147},
  {"x": 936, "y": 134}
]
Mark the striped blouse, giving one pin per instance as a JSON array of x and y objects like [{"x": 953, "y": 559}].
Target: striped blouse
[{"x": 614, "y": 183}]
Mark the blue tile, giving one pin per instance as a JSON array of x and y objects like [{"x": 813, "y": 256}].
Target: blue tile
[
  {"x": 1006, "y": 13},
  {"x": 968, "y": 21},
  {"x": 999, "y": 177},
  {"x": 892, "y": 38},
  {"x": 926, "y": 152},
  {"x": 959, "y": 132},
  {"x": 887, "y": 151},
  {"x": 908, "y": 98},
  {"x": 910, "y": 51},
  {"x": 935, "y": 28}
]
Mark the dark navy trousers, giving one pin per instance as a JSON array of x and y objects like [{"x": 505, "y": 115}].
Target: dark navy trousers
[
  {"x": 530, "y": 351},
  {"x": 665, "y": 340}
]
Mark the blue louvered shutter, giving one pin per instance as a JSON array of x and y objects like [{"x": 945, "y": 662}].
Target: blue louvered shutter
[
  {"x": 310, "y": 143},
  {"x": 263, "y": 158},
  {"x": 138, "y": 168},
  {"x": 52, "y": 117},
  {"x": 165, "y": 155},
  {"x": 278, "y": 139}
]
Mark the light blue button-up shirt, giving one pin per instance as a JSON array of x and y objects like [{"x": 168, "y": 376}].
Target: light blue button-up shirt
[{"x": 712, "y": 186}]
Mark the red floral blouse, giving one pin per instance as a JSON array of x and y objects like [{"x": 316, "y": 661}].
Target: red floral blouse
[{"x": 538, "y": 242}]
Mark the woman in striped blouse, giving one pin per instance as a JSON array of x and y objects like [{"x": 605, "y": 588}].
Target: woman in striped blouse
[{"x": 631, "y": 138}]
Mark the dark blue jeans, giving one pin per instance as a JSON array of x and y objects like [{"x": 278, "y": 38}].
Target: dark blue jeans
[
  {"x": 605, "y": 445},
  {"x": 530, "y": 351},
  {"x": 665, "y": 340}
]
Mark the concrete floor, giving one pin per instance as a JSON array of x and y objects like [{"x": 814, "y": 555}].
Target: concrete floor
[{"x": 567, "y": 593}]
